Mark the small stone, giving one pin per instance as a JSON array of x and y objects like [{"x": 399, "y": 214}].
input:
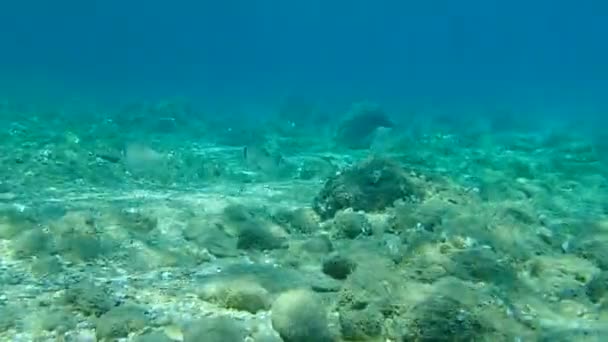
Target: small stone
[
  {"x": 338, "y": 267},
  {"x": 319, "y": 244},
  {"x": 299, "y": 316},
  {"x": 217, "y": 329},
  {"x": 237, "y": 294},
  {"x": 351, "y": 225},
  {"x": 120, "y": 322},
  {"x": 252, "y": 236},
  {"x": 361, "y": 325}
]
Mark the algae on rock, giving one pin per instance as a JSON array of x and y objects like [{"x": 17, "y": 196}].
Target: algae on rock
[{"x": 372, "y": 185}]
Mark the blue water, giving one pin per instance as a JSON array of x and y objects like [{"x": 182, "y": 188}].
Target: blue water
[{"x": 547, "y": 54}]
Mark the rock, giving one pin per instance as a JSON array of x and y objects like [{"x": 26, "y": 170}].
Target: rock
[
  {"x": 319, "y": 244},
  {"x": 439, "y": 317},
  {"x": 361, "y": 325},
  {"x": 315, "y": 167},
  {"x": 393, "y": 247},
  {"x": 236, "y": 213},
  {"x": 482, "y": 264},
  {"x": 593, "y": 249},
  {"x": 45, "y": 266},
  {"x": 299, "y": 316},
  {"x": 137, "y": 221},
  {"x": 216, "y": 329},
  {"x": 371, "y": 186},
  {"x": 33, "y": 242},
  {"x": 76, "y": 237},
  {"x": 237, "y": 294},
  {"x": 356, "y": 132},
  {"x": 153, "y": 336},
  {"x": 13, "y": 223},
  {"x": 351, "y": 225},
  {"x": 120, "y": 322},
  {"x": 253, "y": 228},
  {"x": 597, "y": 288},
  {"x": 253, "y": 236},
  {"x": 267, "y": 161},
  {"x": 301, "y": 220},
  {"x": 55, "y": 319},
  {"x": 89, "y": 299},
  {"x": 215, "y": 240},
  {"x": 324, "y": 284},
  {"x": 338, "y": 267}
]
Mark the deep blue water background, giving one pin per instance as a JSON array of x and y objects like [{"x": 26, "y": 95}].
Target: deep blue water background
[{"x": 547, "y": 55}]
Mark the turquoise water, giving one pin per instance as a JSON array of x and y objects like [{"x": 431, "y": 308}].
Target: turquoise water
[{"x": 303, "y": 171}]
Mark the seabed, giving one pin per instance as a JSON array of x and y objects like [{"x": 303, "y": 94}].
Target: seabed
[{"x": 156, "y": 223}]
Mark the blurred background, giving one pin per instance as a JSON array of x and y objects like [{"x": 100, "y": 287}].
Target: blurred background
[{"x": 545, "y": 57}]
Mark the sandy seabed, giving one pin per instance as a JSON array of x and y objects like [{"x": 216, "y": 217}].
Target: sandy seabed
[{"x": 110, "y": 233}]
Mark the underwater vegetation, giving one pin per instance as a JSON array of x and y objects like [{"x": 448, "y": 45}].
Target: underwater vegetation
[{"x": 186, "y": 229}]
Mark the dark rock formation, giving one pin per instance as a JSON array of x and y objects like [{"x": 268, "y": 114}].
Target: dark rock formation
[{"x": 372, "y": 185}]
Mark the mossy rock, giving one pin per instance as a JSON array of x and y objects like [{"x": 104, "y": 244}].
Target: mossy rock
[
  {"x": 74, "y": 222},
  {"x": 351, "y": 225},
  {"x": 252, "y": 236},
  {"x": 76, "y": 238},
  {"x": 482, "y": 264},
  {"x": 338, "y": 266},
  {"x": 299, "y": 316},
  {"x": 55, "y": 320},
  {"x": 444, "y": 319},
  {"x": 89, "y": 299},
  {"x": 300, "y": 220},
  {"x": 356, "y": 131},
  {"x": 81, "y": 247},
  {"x": 235, "y": 213},
  {"x": 237, "y": 294},
  {"x": 120, "y": 322},
  {"x": 314, "y": 168},
  {"x": 428, "y": 215},
  {"x": 150, "y": 258},
  {"x": 137, "y": 222},
  {"x": 213, "y": 238},
  {"x": 361, "y": 325},
  {"x": 320, "y": 244},
  {"x": 216, "y": 329},
  {"x": 13, "y": 223},
  {"x": 267, "y": 162},
  {"x": 593, "y": 250},
  {"x": 34, "y": 242},
  {"x": 46, "y": 266},
  {"x": 597, "y": 288},
  {"x": 371, "y": 186}
]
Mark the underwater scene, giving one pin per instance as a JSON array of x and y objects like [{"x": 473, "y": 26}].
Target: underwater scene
[{"x": 303, "y": 171}]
